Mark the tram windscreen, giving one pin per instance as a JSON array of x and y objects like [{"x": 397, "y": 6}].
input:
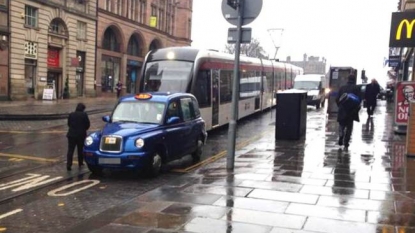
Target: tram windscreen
[{"x": 167, "y": 76}]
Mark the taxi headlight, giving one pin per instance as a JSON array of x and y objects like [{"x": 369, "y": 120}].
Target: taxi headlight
[
  {"x": 89, "y": 141},
  {"x": 139, "y": 143},
  {"x": 315, "y": 97}
]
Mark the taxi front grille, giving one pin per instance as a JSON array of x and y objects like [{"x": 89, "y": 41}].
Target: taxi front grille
[{"x": 111, "y": 143}]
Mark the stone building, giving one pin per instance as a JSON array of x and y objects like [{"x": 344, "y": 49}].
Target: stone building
[
  {"x": 128, "y": 29},
  {"x": 52, "y": 41},
  {"x": 4, "y": 49},
  {"x": 311, "y": 64}
]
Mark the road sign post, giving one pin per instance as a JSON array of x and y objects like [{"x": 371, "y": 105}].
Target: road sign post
[{"x": 246, "y": 11}]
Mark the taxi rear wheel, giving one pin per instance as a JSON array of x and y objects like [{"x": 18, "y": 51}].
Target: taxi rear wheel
[
  {"x": 197, "y": 154},
  {"x": 95, "y": 170},
  {"x": 154, "y": 165}
]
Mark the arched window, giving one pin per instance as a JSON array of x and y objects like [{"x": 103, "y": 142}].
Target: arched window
[
  {"x": 57, "y": 26},
  {"x": 134, "y": 47},
  {"x": 110, "y": 41}
]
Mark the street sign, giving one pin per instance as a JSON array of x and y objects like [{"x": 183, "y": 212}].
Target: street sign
[
  {"x": 233, "y": 35},
  {"x": 251, "y": 10}
]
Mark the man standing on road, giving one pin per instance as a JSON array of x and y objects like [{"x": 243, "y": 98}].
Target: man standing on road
[
  {"x": 78, "y": 123},
  {"x": 371, "y": 94},
  {"x": 345, "y": 115}
]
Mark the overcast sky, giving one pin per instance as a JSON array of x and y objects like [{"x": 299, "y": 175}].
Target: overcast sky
[{"x": 346, "y": 32}]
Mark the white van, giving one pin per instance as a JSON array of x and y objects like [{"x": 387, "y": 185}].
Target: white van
[{"x": 315, "y": 85}]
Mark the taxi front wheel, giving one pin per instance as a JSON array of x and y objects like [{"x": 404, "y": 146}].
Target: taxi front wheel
[{"x": 154, "y": 165}]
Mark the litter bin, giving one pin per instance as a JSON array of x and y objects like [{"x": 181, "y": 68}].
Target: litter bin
[{"x": 291, "y": 116}]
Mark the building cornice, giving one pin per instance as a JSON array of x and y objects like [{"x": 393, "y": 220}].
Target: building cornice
[{"x": 67, "y": 9}]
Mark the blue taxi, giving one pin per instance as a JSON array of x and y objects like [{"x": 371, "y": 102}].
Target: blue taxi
[{"x": 145, "y": 131}]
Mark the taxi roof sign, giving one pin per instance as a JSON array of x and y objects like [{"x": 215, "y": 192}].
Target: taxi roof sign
[{"x": 143, "y": 96}]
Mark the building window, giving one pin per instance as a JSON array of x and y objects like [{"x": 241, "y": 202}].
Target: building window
[
  {"x": 110, "y": 41},
  {"x": 108, "y": 5},
  {"x": 57, "y": 27},
  {"x": 133, "y": 47},
  {"x": 81, "y": 30},
  {"x": 143, "y": 10},
  {"x": 31, "y": 16},
  {"x": 118, "y": 7},
  {"x": 133, "y": 14}
]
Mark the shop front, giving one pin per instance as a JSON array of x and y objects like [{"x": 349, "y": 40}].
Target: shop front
[
  {"x": 110, "y": 73},
  {"x": 54, "y": 75},
  {"x": 133, "y": 72}
]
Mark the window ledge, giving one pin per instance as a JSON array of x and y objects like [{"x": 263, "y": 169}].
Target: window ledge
[
  {"x": 32, "y": 27},
  {"x": 82, "y": 39}
]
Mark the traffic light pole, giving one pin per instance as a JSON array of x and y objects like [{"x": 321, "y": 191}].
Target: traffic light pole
[{"x": 230, "y": 160}]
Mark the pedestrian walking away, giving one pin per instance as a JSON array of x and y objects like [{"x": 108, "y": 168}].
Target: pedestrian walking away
[
  {"x": 348, "y": 102},
  {"x": 119, "y": 88},
  {"x": 371, "y": 93},
  {"x": 78, "y": 123}
]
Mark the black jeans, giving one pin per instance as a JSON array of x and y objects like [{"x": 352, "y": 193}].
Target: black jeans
[
  {"x": 79, "y": 144},
  {"x": 345, "y": 132}
]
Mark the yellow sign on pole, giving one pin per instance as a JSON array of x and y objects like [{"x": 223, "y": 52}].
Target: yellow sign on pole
[{"x": 153, "y": 21}]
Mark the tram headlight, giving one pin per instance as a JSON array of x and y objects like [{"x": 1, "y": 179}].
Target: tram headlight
[
  {"x": 89, "y": 141},
  {"x": 171, "y": 55},
  {"x": 139, "y": 143}
]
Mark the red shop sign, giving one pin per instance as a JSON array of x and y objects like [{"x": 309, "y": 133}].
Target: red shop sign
[
  {"x": 53, "y": 58},
  {"x": 403, "y": 95}
]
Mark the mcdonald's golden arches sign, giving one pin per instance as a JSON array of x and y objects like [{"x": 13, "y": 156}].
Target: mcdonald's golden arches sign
[{"x": 402, "y": 29}]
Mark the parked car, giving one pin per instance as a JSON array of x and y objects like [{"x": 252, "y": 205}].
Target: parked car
[{"x": 145, "y": 131}]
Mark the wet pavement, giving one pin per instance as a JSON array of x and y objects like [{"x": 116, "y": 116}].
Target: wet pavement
[
  {"x": 51, "y": 109},
  {"x": 309, "y": 185}
]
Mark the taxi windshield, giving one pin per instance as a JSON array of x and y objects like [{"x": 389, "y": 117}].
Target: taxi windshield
[
  {"x": 164, "y": 76},
  {"x": 139, "y": 112}
]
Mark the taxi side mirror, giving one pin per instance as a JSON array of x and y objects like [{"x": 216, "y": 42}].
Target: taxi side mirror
[
  {"x": 106, "y": 119},
  {"x": 173, "y": 120}
]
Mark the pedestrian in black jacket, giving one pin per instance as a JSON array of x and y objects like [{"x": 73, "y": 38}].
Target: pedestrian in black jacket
[
  {"x": 346, "y": 117},
  {"x": 78, "y": 123},
  {"x": 371, "y": 94}
]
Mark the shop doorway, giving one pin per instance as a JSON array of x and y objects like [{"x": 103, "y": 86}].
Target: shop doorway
[
  {"x": 79, "y": 83},
  {"x": 54, "y": 81}
]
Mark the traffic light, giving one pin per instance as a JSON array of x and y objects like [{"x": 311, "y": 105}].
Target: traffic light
[{"x": 233, "y": 3}]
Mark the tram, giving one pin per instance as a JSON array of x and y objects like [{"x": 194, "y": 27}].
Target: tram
[{"x": 208, "y": 75}]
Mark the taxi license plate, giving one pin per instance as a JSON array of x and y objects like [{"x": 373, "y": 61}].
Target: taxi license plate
[
  {"x": 109, "y": 161},
  {"x": 109, "y": 140}
]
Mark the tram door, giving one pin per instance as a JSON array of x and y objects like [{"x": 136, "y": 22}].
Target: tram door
[{"x": 215, "y": 98}]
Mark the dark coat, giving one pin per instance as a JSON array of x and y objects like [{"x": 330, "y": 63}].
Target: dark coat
[
  {"x": 343, "y": 116},
  {"x": 78, "y": 123},
  {"x": 371, "y": 93}
]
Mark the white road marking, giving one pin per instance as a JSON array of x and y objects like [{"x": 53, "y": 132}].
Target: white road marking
[
  {"x": 54, "y": 192},
  {"x": 10, "y": 213}
]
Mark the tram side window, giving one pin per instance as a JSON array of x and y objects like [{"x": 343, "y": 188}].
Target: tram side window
[
  {"x": 226, "y": 86},
  {"x": 202, "y": 88},
  {"x": 269, "y": 82}
]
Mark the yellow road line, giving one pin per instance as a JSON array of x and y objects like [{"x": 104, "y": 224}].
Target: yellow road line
[
  {"x": 16, "y": 156},
  {"x": 221, "y": 154}
]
